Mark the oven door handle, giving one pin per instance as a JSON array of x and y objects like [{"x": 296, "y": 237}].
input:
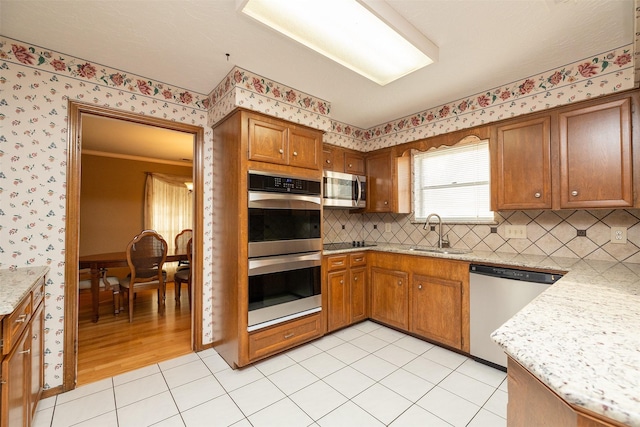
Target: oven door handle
[
  {"x": 283, "y": 201},
  {"x": 275, "y": 264}
]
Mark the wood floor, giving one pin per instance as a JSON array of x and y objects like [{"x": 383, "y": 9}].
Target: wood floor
[{"x": 114, "y": 346}]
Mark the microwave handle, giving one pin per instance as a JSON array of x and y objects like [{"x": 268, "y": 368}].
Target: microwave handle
[{"x": 359, "y": 190}]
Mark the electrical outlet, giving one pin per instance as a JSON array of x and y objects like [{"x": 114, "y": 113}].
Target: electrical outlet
[
  {"x": 387, "y": 227},
  {"x": 619, "y": 235},
  {"x": 515, "y": 231}
]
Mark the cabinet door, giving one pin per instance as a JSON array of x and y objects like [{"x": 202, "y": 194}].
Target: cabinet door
[
  {"x": 328, "y": 158},
  {"x": 354, "y": 163},
  {"x": 338, "y": 314},
  {"x": 15, "y": 384},
  {"x": 357, "y": 280},
  {"x": 37, "y": 357},
  {"x": 389, "y": 297},
  {"x": 524, "y": 165},
  {"x": 267, "y": 141},
  {"x": 305, "y": 148},
  {"x": 437, "y": 309},
  {"x": 595, "y": 156},
  {"x": 380, "y": 183}
]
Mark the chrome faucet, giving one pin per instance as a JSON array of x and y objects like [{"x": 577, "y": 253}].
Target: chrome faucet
[{"x": 441, "y": 241}]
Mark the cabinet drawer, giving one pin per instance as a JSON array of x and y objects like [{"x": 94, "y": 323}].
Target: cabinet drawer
[
  {"x": 278, "y": 338},
  {"x": 357, "y": 259},
  {"x": 38, "y": 294},
  {"x": 337, "y": 262},
  {"x": 15, "y": 323}
]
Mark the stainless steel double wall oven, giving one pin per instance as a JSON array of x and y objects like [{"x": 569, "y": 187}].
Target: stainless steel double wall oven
[{"x": 285, "y": 248}]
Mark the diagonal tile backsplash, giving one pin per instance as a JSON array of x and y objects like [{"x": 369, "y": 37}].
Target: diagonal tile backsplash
[{"x": 548, "y": 232}]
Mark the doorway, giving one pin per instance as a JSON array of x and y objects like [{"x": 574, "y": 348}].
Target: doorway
[{"x": 78, "y": 112}]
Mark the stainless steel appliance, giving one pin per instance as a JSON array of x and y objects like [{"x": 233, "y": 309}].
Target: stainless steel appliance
[
  {"x": 496, "y": 294},
  {"x": 343, "y": 190},
  {"x": 285, "y": 248}
]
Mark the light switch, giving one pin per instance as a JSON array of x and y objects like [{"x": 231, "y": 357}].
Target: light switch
[
  {"x": 515, "y": 231},
  {"x": 387, "y": 227}
]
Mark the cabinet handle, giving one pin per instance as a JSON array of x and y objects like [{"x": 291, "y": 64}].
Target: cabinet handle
[
  {"x": 419, "y": 286},
  {"x": 537, "y": 195},
  {"x": 386, "y": 202},
  {"x": 328, "y": 161},
  {"x": 341, "y": 282},
  {"x": 27, "y": 351},
  {"x": 574, "y": 193},
  {"x": 350, "y": 165},
  {"x": 355, "y": 279},
  {"x": 289, "y": 335},
  {"x": 21, "y": 319},
  {"x": 295, "y": 153},
  {"x": 281, "y": 151},
  {"x": 399, "y": 282}
]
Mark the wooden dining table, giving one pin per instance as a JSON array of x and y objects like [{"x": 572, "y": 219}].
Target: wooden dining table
[{"x": 109, "y": 260}]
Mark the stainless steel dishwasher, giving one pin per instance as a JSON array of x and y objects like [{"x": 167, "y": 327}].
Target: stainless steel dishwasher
[{"x": 496, "y": 294}]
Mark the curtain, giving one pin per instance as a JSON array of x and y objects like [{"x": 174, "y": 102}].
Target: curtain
[{"x": 168, "y": 207}]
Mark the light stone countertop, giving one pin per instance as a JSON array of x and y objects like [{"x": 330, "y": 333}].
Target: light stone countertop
[
  {"x": 16, "y": 284},
  {"x": 580, "y": 337}
]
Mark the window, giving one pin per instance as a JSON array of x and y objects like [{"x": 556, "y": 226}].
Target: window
[
  {"x": 454, "y": 183},
  {"x": 169, "y": 206}
]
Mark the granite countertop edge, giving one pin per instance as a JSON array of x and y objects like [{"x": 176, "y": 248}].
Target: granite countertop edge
[
  {"x": 15, "y": 284},
  {"x": 580, "y": 337}
]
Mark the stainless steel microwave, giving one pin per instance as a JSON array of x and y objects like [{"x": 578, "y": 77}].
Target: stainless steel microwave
[{"x": 343, "y": 190}]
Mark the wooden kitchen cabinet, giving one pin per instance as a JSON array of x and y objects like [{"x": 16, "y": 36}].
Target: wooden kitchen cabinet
[
  {"x": 282, "y": 336},
  {"x": 346, "y": 289},
  {"x": 279, "y": 142},
  {"x": 574, "y": 157},
  {"x": 595, "y": 156},
  {"x": 339, "y": 159},
  {"x": 532, "y": 403},
  {"x": 380, "y": 182},
  {"x": 389, "y": 297},
  {"x": 22, "y": 375},
  {"x": 436, "y": 309},
  {"x": 523, "y": 164}
]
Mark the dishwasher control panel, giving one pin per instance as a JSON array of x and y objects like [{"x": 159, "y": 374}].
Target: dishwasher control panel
[{"x": 510, "y": 273}]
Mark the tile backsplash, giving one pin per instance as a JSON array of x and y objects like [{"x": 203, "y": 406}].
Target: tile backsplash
[{"x": 548, "y": 232}]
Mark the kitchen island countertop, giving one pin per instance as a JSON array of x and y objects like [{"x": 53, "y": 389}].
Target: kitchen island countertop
[{"x": 580, "y": 337}]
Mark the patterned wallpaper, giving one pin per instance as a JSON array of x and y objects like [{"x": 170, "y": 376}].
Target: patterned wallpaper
[{"x": 36, "y": 85}]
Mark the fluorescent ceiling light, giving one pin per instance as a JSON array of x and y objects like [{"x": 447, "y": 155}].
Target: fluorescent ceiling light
[{"x": 366, "y": 36}]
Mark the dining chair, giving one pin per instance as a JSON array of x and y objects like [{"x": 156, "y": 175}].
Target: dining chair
[
  {"x": 184, "y": 276},
  {"x": 106, "y": 283},
  {"x": 180, "y": 246},
  {"x": 146, "y": 254}
]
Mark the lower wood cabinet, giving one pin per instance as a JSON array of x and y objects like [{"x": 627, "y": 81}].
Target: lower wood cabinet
[
  {"x": 531, "y": 403},
  {"x": 436, "y": 309},
  {"x": 389, "y": 297},
  {"x": 346, "y": 281},
  {"x": 268, "y": 341},
  {"x": 22, "y": 375},
  {"x": 425, "y": 296}
]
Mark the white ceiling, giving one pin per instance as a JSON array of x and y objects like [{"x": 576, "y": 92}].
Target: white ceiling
[{"x": 483, "y": 44}]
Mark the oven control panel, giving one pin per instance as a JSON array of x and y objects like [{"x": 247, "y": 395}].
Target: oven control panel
[{"x": 282, "y": 184}]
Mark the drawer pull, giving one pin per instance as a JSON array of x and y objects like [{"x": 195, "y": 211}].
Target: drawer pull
[
  {"x": 27, "y": 351},
  {"x": 281, "y": 151},
  {"x": 289, "y": 335},
  {"x": 419, "y": 286},
  {"x": 537, "y": 195},
  {"x": 21, "y": 319},
  {"x": 295, "y": 153},
  {"x": 359, "y": 259}
]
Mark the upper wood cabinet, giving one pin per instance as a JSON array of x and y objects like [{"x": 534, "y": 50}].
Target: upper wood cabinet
[
  {"x": 595, "y": 156},
  {"x": 523, "y": 164},
  {"x": 276, "y": 141},
  {"x": 380, "y": 182},
  {"x": 339, "y": 159},
  {"x": 575, "y": 157}
]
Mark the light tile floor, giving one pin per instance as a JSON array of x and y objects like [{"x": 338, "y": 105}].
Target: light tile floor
[{"x": 365, "y": 375}]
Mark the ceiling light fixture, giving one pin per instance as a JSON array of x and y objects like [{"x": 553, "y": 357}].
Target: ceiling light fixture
[{"x": 366, "y": 36}]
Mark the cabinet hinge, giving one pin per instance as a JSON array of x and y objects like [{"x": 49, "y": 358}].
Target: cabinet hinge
[{"x": 1, "y": 344}]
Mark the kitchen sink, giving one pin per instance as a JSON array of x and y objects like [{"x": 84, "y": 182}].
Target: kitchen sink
[{"x": 440, "y": 250}]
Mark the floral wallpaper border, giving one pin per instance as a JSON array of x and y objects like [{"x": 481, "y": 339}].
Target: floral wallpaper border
[
  {"x": 76, "y": 68},
  {"x": 602, "y": 74},
  {"x": 242, "y": 88}
]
